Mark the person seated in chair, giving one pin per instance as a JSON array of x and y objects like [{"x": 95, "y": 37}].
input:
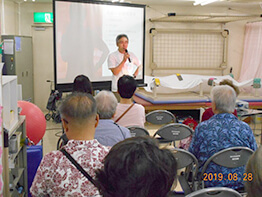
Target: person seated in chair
[
  {"x": 82, "y": 84},
  {"x": 127, "y": 112},
  {"x": 254, "y": 174},
  {"x": 208, "y": 113},
  {"x": 137, "y": 167},
  {"x": 221, "y": 131},
  {"x": 56, "y": 175},
  {"x": 108, "y": 132}
]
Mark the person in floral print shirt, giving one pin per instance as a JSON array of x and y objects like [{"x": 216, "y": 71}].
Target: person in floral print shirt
[{"x": 56, "y": 175}]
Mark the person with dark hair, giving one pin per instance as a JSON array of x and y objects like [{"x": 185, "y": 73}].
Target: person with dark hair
[
  {"x": 127, "y": 112},
  {"x": 137, "y": 167},
  {"x": 208, "y": 113},
  {"x": 122, "y": 61},
  {"x": 56, "y": 175},
  {"x": 108, "y": 132},
  {"x": 82, "y": 84},
  {"x": 254, "y": 174},
  {"x": 221, "y": 131}
]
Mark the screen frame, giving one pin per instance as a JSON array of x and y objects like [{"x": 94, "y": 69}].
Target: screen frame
[{"x": 98, "y": 85}]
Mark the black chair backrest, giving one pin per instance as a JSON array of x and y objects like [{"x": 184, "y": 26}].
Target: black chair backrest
[
  {"x": 174, "y": 132},
  {"x": 138, "y": 131},
  {"x": 160, "y": 117},
  {"x": 230, "y": 158},
  {"x": 184, "y": 158},
  {"x": 215, "y": 192}
]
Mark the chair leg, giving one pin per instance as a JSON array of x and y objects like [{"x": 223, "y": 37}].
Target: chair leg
[{"x": 184, "y": 184}]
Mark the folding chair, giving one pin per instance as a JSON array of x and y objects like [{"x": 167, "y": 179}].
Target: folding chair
[
  {"x": 61, "y": 141},
  {"x": 215, "y": 192},
  {"x": 137, "y": 131},
  {"x": 230, "y": 158},
  {"x": 173, "y": 132},
  {"x": 160, "y": 117},
  {"x": 189, "y": 162}
]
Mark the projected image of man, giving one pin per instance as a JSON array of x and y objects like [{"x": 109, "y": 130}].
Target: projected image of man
[
  {"x": 82, "y": 45},
  {"x": 122, "y": 62}
]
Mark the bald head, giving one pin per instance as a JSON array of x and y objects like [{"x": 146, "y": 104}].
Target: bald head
[{"x": 78, "y": 107}]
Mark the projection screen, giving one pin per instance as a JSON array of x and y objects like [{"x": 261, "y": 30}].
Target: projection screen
[{"x": 84, "y": 36}]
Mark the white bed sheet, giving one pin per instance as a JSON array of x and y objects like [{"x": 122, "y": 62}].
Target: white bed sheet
[{"x": 171, "y": 84}]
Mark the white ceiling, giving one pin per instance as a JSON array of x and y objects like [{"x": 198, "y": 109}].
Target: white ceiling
[
  {"x": 176, "y": 2},
  {"x": 190, "y": 2},
  {"x": 187, "y": 3}
]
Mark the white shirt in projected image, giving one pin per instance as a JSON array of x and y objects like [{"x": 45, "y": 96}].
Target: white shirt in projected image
[{"x": 114, "y": 59}]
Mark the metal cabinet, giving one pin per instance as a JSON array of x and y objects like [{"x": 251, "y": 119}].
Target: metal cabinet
[{"x": 18, "y": 58}]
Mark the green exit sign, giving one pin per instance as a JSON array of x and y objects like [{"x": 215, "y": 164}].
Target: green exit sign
[{"x": 43, "y": 17}]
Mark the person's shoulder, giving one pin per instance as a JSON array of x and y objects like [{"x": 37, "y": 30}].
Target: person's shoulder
[
  {"x": 139, "y": 105},
  {"x": 120, "y": 106},
  {"x": 202, "y": 126},
  {"x": 54, "y": 153},
  {"x": 51, "y": 158},
  {"x": 105, "y": 149},
  {"x": 205, "y": 122},
  {"x": 208, "y": 112},
  {"x": 244, "y": 124},
  {"x": 114, "y": 53},
  {"x": 131, "y": 53},
  {"x": 124, "y": 128}
]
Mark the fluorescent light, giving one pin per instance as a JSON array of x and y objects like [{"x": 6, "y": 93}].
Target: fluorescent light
[
  {"x": 197, "y": 2},
  {"x": 208, "y": 1},
  {"x": 121, "y": 1},
  {"x": 204, "y": 2}
]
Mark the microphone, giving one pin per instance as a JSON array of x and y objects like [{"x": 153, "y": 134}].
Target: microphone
[{"x": 129, "y": 57}]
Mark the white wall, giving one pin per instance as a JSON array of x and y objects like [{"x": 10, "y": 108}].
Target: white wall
[
  {"x": 42, "y": 51},
  {"x": 21, "y": 24},
  {"x": 43, "y": 41},
  {"x": 10, "y": 17},
  {"x": 236, "y": 32}
]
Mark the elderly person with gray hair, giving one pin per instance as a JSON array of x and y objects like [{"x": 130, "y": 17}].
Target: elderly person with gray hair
[
  {"x": 108, "y": 132},
  {"x": 56, "y": 175},
  {"x": 221, "y": 131}
]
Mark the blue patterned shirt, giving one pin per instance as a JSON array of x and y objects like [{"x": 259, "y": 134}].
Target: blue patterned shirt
[{"x": 220, "y": 132}]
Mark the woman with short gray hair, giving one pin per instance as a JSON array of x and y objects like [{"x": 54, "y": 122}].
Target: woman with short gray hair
[
  {"x": 108, "y": 132},
  {"x": 223, "y": 99},
  {"x": 106, "y": 104},
  {"x": 221, "y": 131}
]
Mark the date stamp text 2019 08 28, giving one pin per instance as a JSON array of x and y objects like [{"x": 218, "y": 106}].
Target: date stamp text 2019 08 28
[{"x": 230, "y": 177}]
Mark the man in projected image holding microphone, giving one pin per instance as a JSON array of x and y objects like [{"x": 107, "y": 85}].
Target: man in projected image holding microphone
[{"x": 122, "y": 62}]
